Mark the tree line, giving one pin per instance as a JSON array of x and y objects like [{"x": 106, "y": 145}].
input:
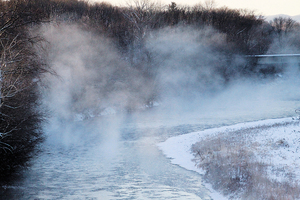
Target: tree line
[{"x": 22, "y": 65}]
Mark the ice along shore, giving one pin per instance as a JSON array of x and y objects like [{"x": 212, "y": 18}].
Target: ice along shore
[{"x": 242, "y": 153}]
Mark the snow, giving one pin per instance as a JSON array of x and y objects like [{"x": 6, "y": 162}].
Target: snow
[
  {"x": 79, "y": 117},
  {"x": 275, "y": 145},
  {"x": 108, "y": 111},
  {"x": 91, "y": 114},
  {"x": 274, "y": 55}
]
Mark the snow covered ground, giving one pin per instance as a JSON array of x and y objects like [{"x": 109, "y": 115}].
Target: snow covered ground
[{"x": 275, "y": 142}]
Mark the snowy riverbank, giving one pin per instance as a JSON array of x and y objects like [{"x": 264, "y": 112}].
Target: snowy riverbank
[{"x": 275, "y": 141}]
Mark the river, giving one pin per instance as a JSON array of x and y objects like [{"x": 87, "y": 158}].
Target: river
[{"x": 116, "y": 157}]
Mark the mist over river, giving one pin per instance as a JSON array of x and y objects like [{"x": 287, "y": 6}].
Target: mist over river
[
  {"x": 101, "y": 137},
  {"x": 116, "y": 157},
  {"x": 104, "y": 85}
]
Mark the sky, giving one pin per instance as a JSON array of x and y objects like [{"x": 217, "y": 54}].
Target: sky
[{"x": 261, "y": 7}]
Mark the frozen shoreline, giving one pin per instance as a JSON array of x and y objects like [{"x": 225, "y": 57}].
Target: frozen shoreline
[{"x": 178, "y": 148}]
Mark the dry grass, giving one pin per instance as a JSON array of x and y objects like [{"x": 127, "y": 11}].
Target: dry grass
[{"x": 232, "y": 168}]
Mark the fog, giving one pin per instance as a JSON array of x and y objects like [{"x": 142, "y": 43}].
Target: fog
[{"x": 185, "y": 77}]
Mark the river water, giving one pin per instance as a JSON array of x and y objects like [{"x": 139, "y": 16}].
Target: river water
[{"x": 116, "y": 157}]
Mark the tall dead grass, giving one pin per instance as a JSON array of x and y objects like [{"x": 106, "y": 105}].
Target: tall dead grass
[{"x": 232, "y": 168}]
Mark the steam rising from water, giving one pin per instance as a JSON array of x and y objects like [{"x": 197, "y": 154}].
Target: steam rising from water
[
  {"x": 95, "y": 80},
  {"x": 188, "y": 60}
]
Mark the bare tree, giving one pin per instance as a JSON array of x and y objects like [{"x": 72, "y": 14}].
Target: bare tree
[
  {"x": 20, "y": 70},
  {"x": 210, "y": 4},
  {"x": 285, "y": 35},
  {"x": 283, "y": 25},
  {"x": 141, "y": 15}
]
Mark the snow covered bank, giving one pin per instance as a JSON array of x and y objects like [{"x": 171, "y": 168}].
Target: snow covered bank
[{"x": 275, "y": 142}]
